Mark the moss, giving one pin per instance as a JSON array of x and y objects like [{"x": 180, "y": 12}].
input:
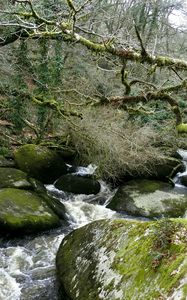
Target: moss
[
  {"x": 184, "y": 293},
  {"x": 40, "y": 162},
  {"x": 114, "y": 260},
  {"x": 91, "y": 45},
  {"x": 10, "y": 177},
  {"x": 24, "y": 211},
  {"x": 182, "y": 128}
]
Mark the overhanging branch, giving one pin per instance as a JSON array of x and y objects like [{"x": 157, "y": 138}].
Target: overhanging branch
[
  {"x": 120, "y": 101},
  {"x": 64, "y": 30}
]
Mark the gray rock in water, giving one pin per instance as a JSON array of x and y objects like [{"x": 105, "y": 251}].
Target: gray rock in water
[
  {"x": 148, "y": 198},
  {"x": 183, "y": 180},
  {"x": 78, "y": 184},
  {"x": 119, "y": 260}
]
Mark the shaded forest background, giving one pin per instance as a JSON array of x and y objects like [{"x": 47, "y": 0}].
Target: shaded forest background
[{"x": 64, "y": 84}]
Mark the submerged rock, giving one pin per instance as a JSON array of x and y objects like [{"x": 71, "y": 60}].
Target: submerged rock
[
  {"x": 149, "y": 198},
  {"x": 24, "y": 212},
  {"x": 40, "y": 162},
  {"x": 119, "y": 260},
  {"x": 4, "y": 162},
  {"x": 10, "y": 177},
  {"x": 183, "y": 180},
  {"x": 78, "y": 184}
]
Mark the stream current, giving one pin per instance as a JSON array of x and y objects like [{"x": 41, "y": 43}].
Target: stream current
[{"x": 27, "y": 266}]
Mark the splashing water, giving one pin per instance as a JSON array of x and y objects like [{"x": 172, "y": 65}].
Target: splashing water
[
  {"x": 27, "y": 267},
  {"x": 176, "y": 180}
]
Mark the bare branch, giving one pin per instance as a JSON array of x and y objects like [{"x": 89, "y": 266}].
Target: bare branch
[
  {"x": 124, "y": 79},
  {"x": 120, "y": 101},
  {"x": 145, "y": 83},
  {"x": 143, "y": 51}
]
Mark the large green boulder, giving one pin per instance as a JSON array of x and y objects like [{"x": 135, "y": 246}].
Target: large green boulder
[
  {"x": 78, "y": 184},
  {"x": 149, "y": 198},
  {"x": 40, "y": 162},
  {"x": 124, "y": 260},
  {"x": 24, "y": 212},
  {"x": 10, "y": 177}
]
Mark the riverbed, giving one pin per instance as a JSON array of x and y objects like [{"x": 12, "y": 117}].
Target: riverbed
[{"x": 27, "y": 265}]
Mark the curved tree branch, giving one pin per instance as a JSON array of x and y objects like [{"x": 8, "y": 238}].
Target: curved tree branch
[{"x": 64, "y": 30}]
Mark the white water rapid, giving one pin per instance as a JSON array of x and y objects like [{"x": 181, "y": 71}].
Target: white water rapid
[{"x": 27, "y": 266}]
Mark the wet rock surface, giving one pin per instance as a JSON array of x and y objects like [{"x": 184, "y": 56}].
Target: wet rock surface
[
  {"x": 149, "y": 198},
  {"x": 78, "y": 184}
]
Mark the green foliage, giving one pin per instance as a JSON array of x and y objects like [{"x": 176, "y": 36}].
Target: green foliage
[
  {"x": 4, "y": 150},
  {"x": 17, "y": 111}
]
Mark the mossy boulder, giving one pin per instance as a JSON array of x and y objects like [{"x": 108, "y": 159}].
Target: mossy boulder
[
  {"x": 24, "y": 212},
  {"x": 55, "y": 204},
  {"x": 78, "y": 184},
  {"x": 10, "y": 177},
  {"x": 4, "y": 162},
  {"x": 40, "y": 162},
  {"x": 149, "y": 198},
  {"x": 124, "y": 260}
]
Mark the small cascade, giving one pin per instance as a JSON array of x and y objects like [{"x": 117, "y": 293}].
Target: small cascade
[
  {"x": 177, "y": 179},
  {"x": 27, "y": 266},
  {"x": 82, "y": 209}
]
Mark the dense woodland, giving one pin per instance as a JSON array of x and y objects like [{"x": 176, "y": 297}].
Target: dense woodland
[
  {"x": 93, "y": 149},
  {"x": 106, "y": 78}
]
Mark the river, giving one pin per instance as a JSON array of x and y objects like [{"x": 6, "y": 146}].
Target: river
[{"x": 27, "y": 265}]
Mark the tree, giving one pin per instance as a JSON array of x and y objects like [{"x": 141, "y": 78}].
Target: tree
[{"x": 99, "y": 27}]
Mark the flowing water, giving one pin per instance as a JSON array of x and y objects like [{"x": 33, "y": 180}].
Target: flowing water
[
  {"x": 176, "y": 180},
  {"x": 27, "y": 266}
]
